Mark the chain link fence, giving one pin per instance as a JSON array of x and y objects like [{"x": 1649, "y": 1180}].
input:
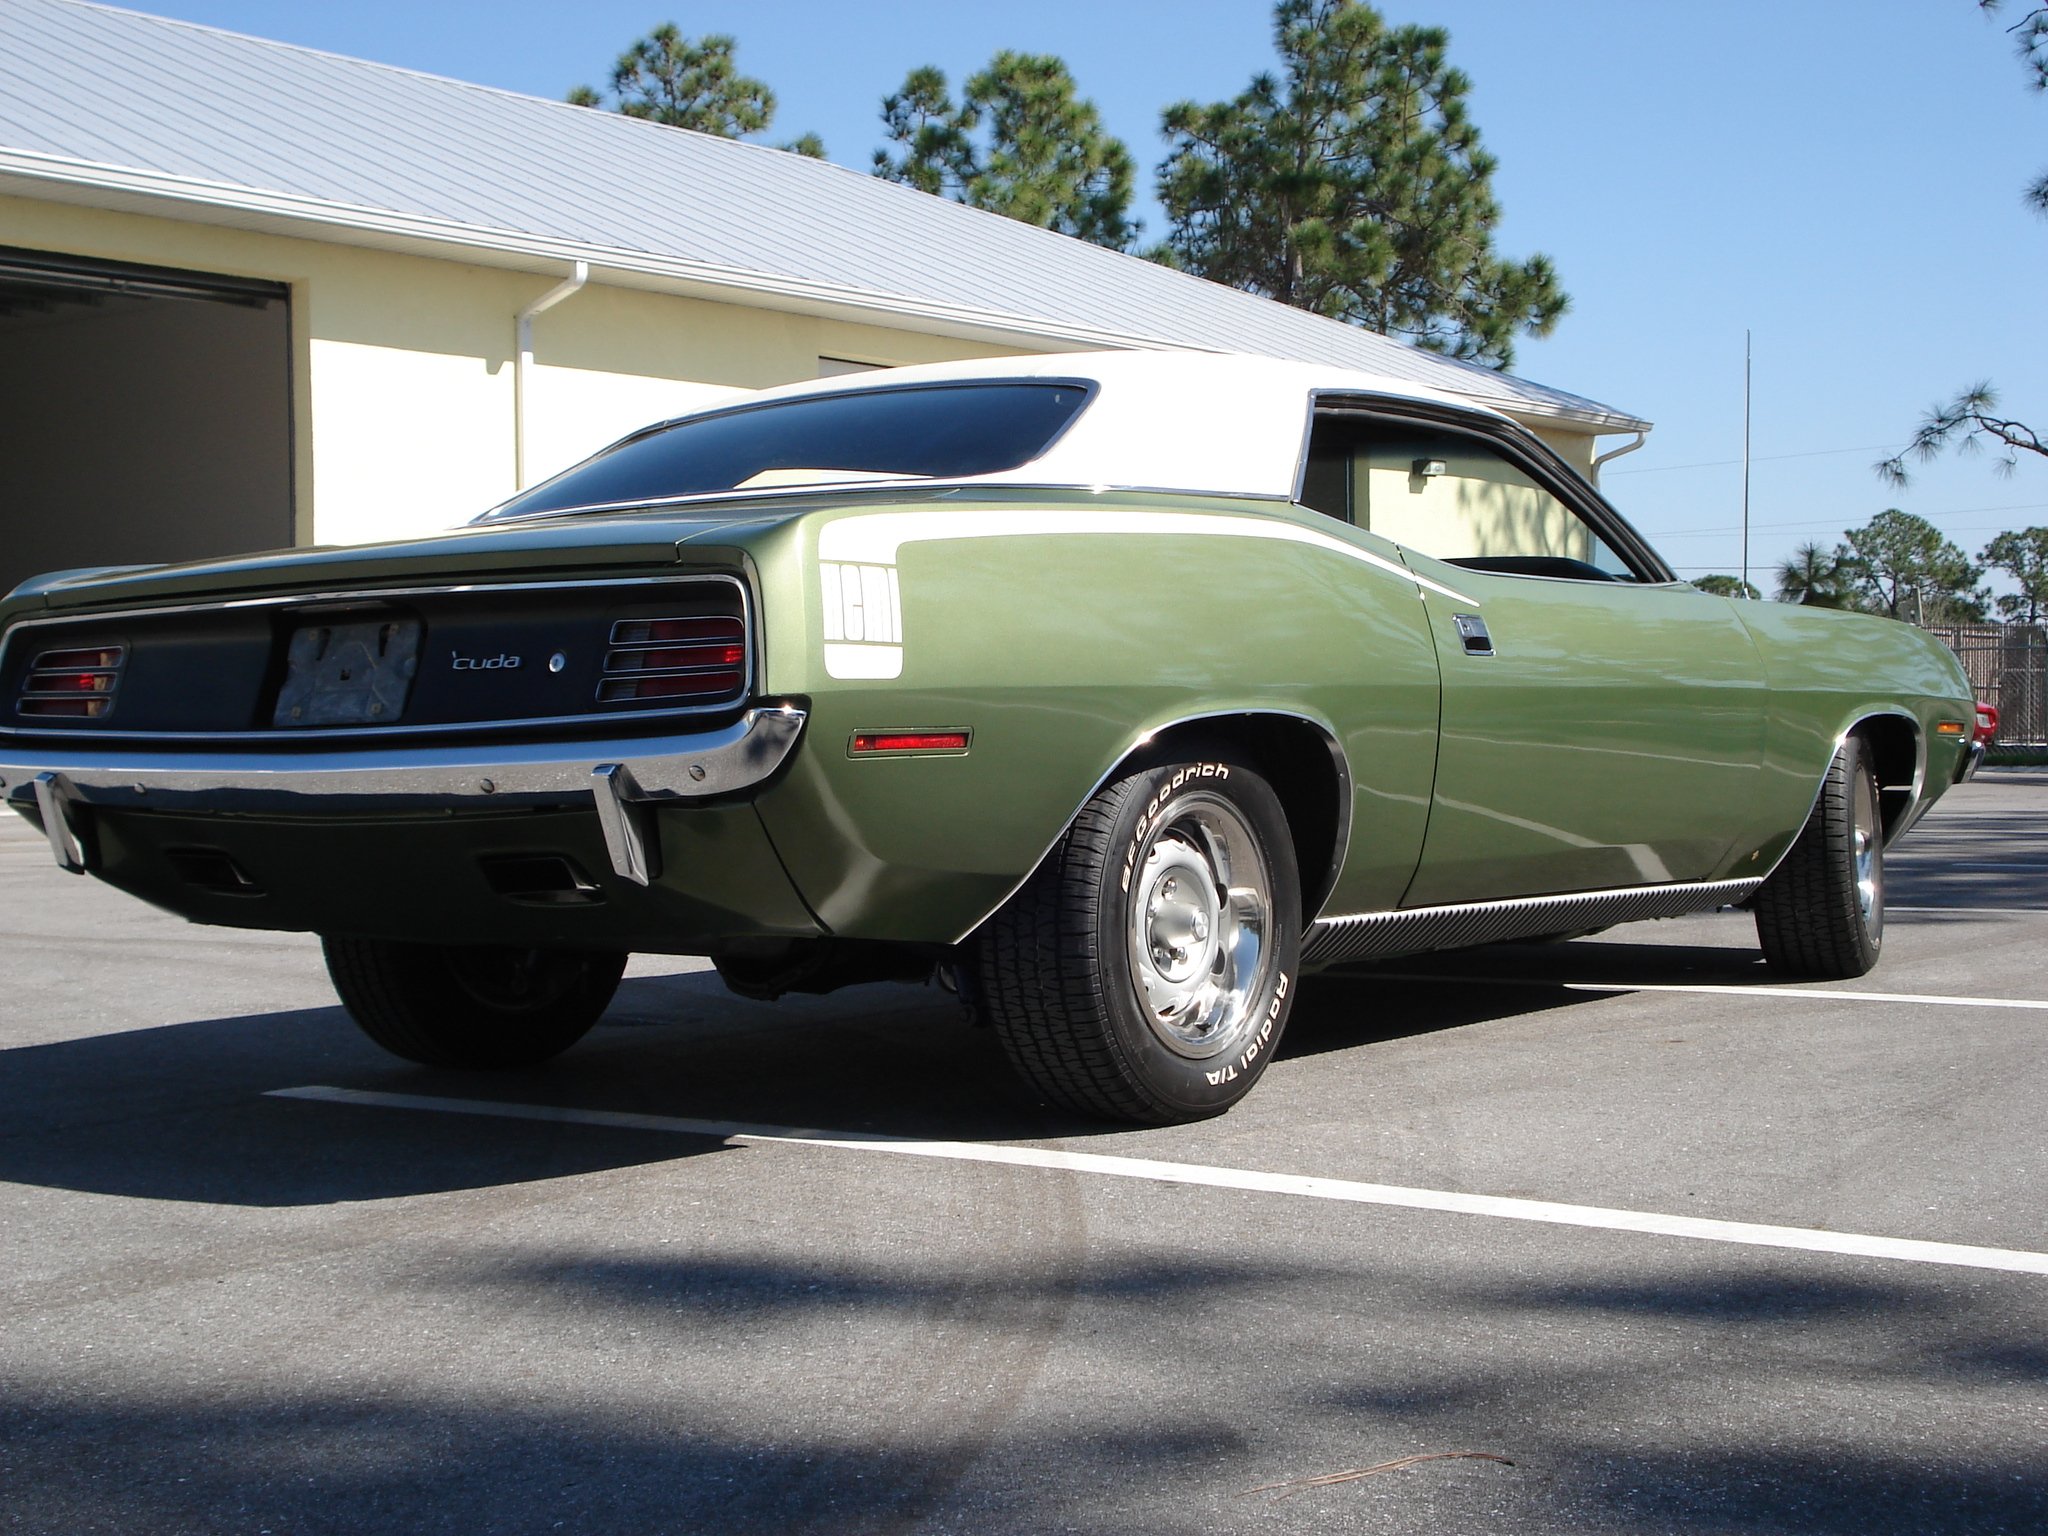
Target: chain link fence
[{"x": 2008, "y": 666}]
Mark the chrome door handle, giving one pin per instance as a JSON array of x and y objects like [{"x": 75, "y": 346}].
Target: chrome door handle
[{"x": 1472, "y": 630}]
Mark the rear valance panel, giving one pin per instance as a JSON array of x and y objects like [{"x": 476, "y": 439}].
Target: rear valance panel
[{"x": 393, "y": 662}]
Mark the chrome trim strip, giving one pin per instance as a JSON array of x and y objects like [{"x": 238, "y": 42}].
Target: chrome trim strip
[
  {"x": 1346, "y": 796},
  {"x": 1339, "y": 760},
  {"x": 1918, "y": 801},
  {"x": 646, "y": 771},
  {"x": 891, "y": 491},
  {"x": 120, "y": 654},
  {"x": 616, "y": 644},
  {"x": 1916, "y": 805},
  {"x": 1412, "y": 930},
  {"x": 377, "y": 733}
]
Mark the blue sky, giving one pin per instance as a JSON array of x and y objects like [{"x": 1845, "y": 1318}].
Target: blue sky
[{"x": 1842, "y": 179}]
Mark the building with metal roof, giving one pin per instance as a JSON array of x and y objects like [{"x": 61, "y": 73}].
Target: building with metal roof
[{"x": 348, "y": 261}]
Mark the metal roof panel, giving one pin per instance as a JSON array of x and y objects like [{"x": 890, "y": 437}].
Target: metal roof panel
[{"x": 236, "y": 112}]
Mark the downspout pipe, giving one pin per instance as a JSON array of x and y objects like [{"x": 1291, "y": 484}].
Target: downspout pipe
[
  {"x": 1615, "y": 453},
  {"x": 522, "y": 361}
]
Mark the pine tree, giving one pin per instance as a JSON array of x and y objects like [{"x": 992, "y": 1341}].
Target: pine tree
[
  {"x": 1722, "y": 585},
  {"x": 1814, "y": 577},
  {"x": 1971, "y": 417},
  {"x": 2024, "y": 557},
  {"x": 692, "y": 83},
  {"x": 1019, "y": 142},
  {"x": 1353, "y": 184},
  {"x": 1907, "y": 570}
]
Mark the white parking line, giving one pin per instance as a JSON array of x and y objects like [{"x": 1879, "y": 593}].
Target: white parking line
[
  {"x": 1858, "y": 1245},
  {"x": 1890, "y": 908},
  {"x": 2034, "y": 868},
  {"x": 1810, "y": 994}
]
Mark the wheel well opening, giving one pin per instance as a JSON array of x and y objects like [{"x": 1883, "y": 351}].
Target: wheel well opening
[
  {"x": 1895, "y": 759},
  {"x": 1300, "y": 763}
]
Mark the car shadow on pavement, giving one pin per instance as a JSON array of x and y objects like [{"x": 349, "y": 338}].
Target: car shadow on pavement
[
  {"x": 180, "y": 1112},
  {"x": 1421, "y": 994}
]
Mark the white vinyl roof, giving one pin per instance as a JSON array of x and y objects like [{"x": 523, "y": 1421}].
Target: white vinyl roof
[
  {"x": 1200, "y": 422},
  {"x": 217, "y": 127}
]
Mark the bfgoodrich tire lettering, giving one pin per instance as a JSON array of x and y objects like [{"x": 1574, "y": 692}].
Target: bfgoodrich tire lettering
[
  {"x": 446, "y": 1005},
  {"x": 1146, "y": 969},
  {"x": 1821, "y": 914}
]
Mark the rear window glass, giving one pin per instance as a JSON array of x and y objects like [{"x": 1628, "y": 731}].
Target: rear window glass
[{"x": 946, "y": 432}]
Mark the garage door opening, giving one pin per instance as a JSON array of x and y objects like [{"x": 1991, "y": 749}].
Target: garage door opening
[{"x": 145, "y": 414}]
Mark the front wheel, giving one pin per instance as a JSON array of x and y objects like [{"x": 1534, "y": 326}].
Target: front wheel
[
  {"x": 1821, "y": 913},
  {"x": 452, "y": 1005},
  {"x": 1145, "y": 970}
]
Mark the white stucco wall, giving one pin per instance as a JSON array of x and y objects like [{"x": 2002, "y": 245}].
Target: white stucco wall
[{"x": 402, "y": 366}]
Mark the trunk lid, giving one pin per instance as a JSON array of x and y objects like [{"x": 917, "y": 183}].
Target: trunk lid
[{"x": 569, "y": 547}]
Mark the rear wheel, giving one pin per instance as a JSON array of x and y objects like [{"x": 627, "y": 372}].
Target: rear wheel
[
  {"x": 1821, "y": 913},
  {"x": 1145, "y": 971},
  {"x": 447, "y": 1005}
]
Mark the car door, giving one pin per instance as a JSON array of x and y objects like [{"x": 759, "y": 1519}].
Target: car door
[{"x": 1602, "y": 723}]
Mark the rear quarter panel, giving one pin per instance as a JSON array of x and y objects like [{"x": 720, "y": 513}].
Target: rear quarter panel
[{"x": 1063, "y": 631}]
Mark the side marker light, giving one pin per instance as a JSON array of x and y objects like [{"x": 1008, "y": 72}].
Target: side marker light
[{"x": 872, "y": 743}]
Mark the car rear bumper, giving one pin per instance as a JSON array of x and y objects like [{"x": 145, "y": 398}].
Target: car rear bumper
[{"x": 618, "y": 778}]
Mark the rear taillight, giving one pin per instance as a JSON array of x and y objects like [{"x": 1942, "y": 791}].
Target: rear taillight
[
  {"x": 691, "y": 659},
  {"x": 77, "y": 684},
  {"x": 674, "y": 631}
]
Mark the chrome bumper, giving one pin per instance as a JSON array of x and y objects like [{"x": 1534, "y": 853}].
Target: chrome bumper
[
  {"x": 618, "y": 777},
  {"x": 1972, "y": 760}
]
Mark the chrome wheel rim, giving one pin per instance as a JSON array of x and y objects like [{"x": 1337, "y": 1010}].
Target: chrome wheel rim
[
  {"x": 1197, "y": 927},
  {"x": 1866, "y": 843}
]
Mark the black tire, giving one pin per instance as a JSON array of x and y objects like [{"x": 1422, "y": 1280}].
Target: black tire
[
  {"x": 446, "y": 1005},
  {"x": 1065, "y": 966},
  {"x": 1821, "y": 913}
]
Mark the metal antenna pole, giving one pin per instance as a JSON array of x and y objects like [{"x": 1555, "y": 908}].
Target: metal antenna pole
[{"x": 1745, "y": 462}]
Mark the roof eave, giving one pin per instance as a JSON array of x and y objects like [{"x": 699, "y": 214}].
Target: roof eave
[{"x": 131, "y": 190}]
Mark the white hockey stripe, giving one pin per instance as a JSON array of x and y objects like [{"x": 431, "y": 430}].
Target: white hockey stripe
[
  {"x": 863, "y": 661},
  {"x": 875, "y": 538},
  {"x": 1649, "y": 1223}
]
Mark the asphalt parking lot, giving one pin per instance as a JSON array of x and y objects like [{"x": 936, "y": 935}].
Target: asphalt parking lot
[{"x": 1621, "y": 1234}]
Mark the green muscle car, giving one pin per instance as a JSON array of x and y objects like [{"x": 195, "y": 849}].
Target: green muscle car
[{"x": 1119, "y": 689}]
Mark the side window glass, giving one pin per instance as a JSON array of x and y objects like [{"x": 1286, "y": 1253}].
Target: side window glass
[
  {"x": 1451, "y": 497},
  {"x": 1326, "y": 478}
]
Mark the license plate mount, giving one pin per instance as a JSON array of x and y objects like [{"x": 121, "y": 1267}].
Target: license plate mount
[{"x": 354, "y": 673}]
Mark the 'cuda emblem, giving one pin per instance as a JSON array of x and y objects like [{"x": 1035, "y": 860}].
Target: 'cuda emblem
[{"x": 484, "y": 663}]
